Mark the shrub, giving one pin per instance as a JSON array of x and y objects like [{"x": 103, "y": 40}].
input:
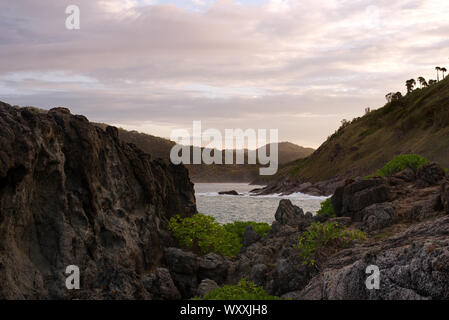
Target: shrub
[
  {"x": 238, "y": 228},
  {"x": 244, "y": 290},
  {"x": 321, "y": 239},
  {"x": 203, "y": 234},
  {"x": 326, "y": 209},
  {"x": 399, "y": 163}
]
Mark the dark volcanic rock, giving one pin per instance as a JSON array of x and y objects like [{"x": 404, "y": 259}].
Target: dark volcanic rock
[
  {"x": 73, "y": 194},
  {"x": 291, "y": 215},
  {"x": 431, "y": 174},
  {"x": 377, "y": 216},
  {"x": 188, "y": 269},
  {"x": 407, "y": 175},
  {"x": 413, "y": 265},
  {"x": 206, "y": 286},
  {"x": 230, "y": 193},
  {"x": 348, "y": 201},
  {"x": 160, "y": 285}
]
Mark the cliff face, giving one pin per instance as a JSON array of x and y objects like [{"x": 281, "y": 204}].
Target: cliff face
[{"x": 73, "y": 194}]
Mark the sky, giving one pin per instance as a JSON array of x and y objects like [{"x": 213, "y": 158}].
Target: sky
[{"x": 158, "y": 65}]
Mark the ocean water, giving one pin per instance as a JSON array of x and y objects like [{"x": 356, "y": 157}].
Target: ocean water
[{"x": 246, "y": 207}]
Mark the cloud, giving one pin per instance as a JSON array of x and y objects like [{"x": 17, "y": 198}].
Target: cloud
[{"x": 160, "y": 64}]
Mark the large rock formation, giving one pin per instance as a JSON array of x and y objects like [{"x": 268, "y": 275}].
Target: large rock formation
[{"x": 73, "y": 194}]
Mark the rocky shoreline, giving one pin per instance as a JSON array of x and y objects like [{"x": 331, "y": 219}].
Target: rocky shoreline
[
  {"x": 73, "y": 194},
  {"x": 405, "y": 217},
  {"x": 286, "y": 186}
]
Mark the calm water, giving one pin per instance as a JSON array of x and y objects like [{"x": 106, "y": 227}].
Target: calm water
[{"x": 226, "y": 208}]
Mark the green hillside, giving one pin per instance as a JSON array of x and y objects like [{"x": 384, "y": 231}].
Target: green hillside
[{"x": 415, "y": 123}]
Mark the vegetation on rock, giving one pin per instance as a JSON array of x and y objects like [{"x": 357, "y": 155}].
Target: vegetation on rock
[
  {"x": 326, "y": 209},
  {"x": 244, "y": 290},
  {"x": 201, "y": 233},
  {"x": 402, "y": 162},
  {"x": 322, "y": 239}
]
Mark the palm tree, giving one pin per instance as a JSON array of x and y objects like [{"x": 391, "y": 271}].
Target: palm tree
[
  {"x": 422, "y": 82},
  {"x": 444, "y": 70},
  {"x": 438, "y": 73},
  {"x": 410, "y": 84}
]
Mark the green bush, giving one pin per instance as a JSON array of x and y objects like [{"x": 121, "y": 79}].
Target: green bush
[
  {"x": 238, "y": 228},
  {"x": 321, "y": 239},
  {"x": 326, "y": 209},
  {"x": 399, "y": 163},
  {"x": 203, "y": 234},
  {"x": 244, "y": 290}
]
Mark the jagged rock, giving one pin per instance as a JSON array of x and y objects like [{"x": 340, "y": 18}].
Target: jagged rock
[
  {"x": 431, "y": 174},
  {"x": 230, "y": 193},
  {"x": 72, "y": 194},
  {"x": 351, "y": 199},
  {"x": 377, "y": 216},
  {"x": 250, "y": 236},
  {"x": 160, "y": 285},
  {"x": 288, "y": 214},
  {"x": 289, "y": 274},
  {"x": 206, "y": 286},
  {"x": 413, "y": 265},
  {"x": 258, "y": 274},
  {"x": 213, "y": 266},
  {"x": 183, "y": 268},
  {"x": 407, "y": 175}
]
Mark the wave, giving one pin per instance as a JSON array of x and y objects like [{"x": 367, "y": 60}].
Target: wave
[{"x": 296, "y": 195}]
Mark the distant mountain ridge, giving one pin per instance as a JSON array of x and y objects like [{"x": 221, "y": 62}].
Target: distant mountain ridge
[{"x": 160, "y": 148}]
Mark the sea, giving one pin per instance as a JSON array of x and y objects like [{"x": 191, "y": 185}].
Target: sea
[{"x": 246, "y": 207}]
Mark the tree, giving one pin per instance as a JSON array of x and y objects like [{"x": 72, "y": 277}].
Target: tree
[
  {"x": 410, "y": 84},
  {"x": 432, "y": 82},
  {"x": 397, "y": 96},
  {"x": 444, "y": 70},
  {"x": 422, "y": 82},
  {"x": 438, "y": 73}
]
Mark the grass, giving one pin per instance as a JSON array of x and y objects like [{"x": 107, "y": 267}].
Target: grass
[{"x": 418, "y": 123}]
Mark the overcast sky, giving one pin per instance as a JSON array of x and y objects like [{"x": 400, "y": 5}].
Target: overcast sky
[{"x": 154, "y": 66}]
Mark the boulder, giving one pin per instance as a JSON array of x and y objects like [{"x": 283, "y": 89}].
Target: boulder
[
  {"x": 351, "y": 199},
  {"x": 230, "y": 193},
  {"x": 206, "y": 286},
  {"x": 183, "y": 268},
  {"x": 377, "y": 216},
  {"x": 288, "y": 214},
  {"x": 213, "y": 266},
  {"x": 431, "y": 174},
  {"x": 407, "y": 175},
  {"x": 160, "y": 285}
]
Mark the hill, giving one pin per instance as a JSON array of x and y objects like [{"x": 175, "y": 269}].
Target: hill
[
  {"x": 160, "y": 148},
  {"x": 416, "y": 123}
]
